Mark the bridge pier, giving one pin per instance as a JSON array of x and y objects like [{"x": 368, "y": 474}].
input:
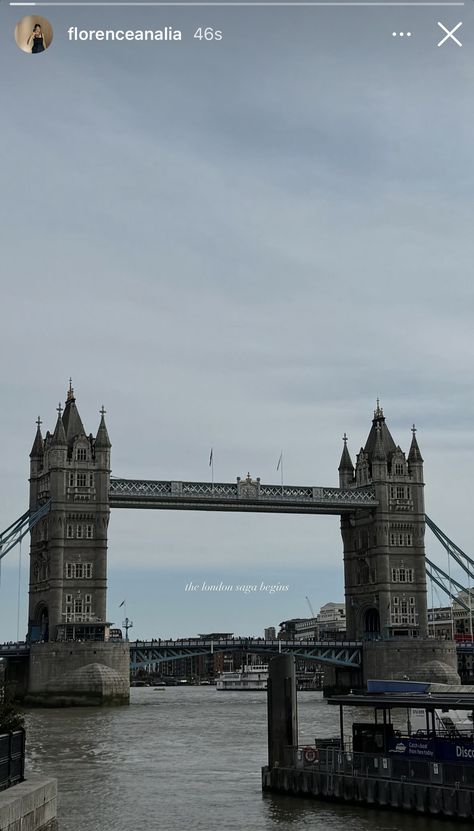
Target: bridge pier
[
  {"x": 424, "y": 659},
  {"x": 339, "y": 680},
  {"x": 78, "y": 674}
]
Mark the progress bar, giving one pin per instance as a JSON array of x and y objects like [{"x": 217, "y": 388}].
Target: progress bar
[{"x": 247, "y": 3}]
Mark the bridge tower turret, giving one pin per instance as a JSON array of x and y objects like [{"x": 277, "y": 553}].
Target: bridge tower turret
[
  {"x": 384, "y": 552},
  {"x": 68, "y": 558},
  {"x": 36, "y": 464},
  {"x": 346, "y": 468}
]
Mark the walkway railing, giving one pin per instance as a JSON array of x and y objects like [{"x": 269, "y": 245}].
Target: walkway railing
[{"x": 243, "y": 495}]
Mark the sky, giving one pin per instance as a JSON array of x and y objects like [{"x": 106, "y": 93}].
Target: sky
[{"x": 237, "y": 245}]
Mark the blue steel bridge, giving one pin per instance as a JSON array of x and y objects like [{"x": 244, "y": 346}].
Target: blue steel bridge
[{"x": 153, "y": 653}]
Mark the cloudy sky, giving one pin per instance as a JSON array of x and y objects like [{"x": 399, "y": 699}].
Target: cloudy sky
[{"x": 238, "y": 245}]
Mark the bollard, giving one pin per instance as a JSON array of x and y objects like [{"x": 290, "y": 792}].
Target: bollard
[{"x": 282, "y": 711}]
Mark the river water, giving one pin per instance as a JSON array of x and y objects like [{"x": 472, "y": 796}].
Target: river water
[{"x": 186, "y": 758}]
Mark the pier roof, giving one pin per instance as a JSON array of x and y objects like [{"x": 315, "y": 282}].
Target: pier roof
[{"x": 427, "y": 701}]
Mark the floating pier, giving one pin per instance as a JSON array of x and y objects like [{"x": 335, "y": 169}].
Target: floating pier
[{"x": 427, "y": 770}]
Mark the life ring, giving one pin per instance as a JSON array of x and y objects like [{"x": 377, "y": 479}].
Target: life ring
[{"x": 310, "y": 755}]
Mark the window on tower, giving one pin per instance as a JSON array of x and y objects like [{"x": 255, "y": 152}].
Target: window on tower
[
  {"x": 403, "y": 611},
  {"x": 78, "y": 571},
  {"x": 402, "y": 575}
]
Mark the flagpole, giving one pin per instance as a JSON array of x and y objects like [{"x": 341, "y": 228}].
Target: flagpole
[
  {"x": 280, "y": 467},
  {"x": 211, "y": 465}
]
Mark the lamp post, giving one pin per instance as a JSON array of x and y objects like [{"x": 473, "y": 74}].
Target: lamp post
[{"x": 127, "y": 624}]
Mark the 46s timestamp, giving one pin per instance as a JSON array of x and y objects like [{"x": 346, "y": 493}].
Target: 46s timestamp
[{"x": 208, "y": 33}]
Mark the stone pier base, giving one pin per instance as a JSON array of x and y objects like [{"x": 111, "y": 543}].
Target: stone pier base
[
  {"x": 78, "y": 674},
  {"x": 29, "y": 806},
  {"x": 423, "y": 659}
]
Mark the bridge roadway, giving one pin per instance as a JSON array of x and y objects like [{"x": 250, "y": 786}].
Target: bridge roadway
[{"x": 244, "y": 495}]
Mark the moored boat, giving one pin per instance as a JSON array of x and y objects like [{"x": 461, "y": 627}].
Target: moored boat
[{"x": 251, "y": 678}]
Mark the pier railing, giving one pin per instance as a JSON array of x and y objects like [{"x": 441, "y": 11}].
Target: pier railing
[
  {"x": 332, "y": 759},
  {"x": 12, "y": 758}
]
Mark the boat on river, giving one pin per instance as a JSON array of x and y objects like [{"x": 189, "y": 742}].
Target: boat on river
[{"x": 251, "y": 678}]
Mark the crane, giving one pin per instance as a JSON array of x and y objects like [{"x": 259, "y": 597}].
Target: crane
[{"x": 310, "y": 606}]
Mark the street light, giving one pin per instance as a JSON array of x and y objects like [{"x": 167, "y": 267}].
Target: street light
[{"x": 127, "y": 624}]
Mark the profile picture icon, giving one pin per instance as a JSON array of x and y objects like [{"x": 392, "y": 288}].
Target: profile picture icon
[{"x": 33, "y": 34}]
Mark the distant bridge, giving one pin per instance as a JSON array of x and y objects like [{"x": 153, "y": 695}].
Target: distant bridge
[{"x": 153, "y": 653}]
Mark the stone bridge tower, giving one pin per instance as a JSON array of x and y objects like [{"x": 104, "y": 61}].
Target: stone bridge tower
[
  {"x": 384, "y": 561},
  {"x": 68, "y": 557},
  {"x": 68, "y": 565},
  {"x": 384, "y": 553}
]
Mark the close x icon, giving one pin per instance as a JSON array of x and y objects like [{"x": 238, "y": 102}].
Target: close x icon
[{"x": 449, "y": 34}]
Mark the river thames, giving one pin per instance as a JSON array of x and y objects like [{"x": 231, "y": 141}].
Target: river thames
[{"x": 186, "y": 758}]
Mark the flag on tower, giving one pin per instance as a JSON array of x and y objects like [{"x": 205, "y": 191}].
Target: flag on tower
[
  {"x": 211, "y": 457},
  {"x": 280, "y": 460},
  {"x": 122, "y": 604}
]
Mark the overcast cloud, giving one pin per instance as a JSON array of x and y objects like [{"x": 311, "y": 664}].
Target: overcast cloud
[{"x": 238, "y": 245}]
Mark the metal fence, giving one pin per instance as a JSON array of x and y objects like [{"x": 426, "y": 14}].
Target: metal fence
[
  {"x": 12, "y": 758},
  {"x": 329, "y": 758}
]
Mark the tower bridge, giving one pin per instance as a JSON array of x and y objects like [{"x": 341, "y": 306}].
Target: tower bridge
[{"x": 380, "y": 502}]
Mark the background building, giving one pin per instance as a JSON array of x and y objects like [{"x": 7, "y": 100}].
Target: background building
[{"x": 328, "y": 624}]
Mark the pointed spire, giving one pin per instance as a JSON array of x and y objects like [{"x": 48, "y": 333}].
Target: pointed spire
[
  {"x": 379, "y": 453},
  {"x": 346, "y": 462},
  {"x": 38, "y": 445},
  {"x": 70, "y": 392},
  {"x": 414, "y": 454},
  {"x": 388, "y": 443},
  {"x": 73, "y": 425},
  {"x": 59, "y": 435},
  {"x": 378, "y": 412},
  {"x": 102, "y": 440}
]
